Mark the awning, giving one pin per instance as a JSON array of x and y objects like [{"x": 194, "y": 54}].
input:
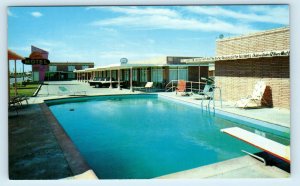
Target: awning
[{"x": 14, "y": 56}]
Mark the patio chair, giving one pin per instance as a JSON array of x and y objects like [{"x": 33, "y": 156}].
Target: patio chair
[
  {"x": 181, "y": 87},
  {"x": 255, "y": 99}
]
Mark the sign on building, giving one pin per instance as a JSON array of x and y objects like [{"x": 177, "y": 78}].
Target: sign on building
[{"x": 123, "y": 61}]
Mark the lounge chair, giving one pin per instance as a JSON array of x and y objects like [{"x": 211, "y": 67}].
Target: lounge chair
[
  {"x": 181, "y": 87},
  {"x": 255, "y": 99},
  {"x": 17, "y": 100},
  {"x": 147, "y": 86},
  {"x": 207, "y": 92},
  {"x": 279, "y": 150}
]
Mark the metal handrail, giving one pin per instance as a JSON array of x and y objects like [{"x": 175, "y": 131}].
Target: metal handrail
[{"x": 188, "y": 88}]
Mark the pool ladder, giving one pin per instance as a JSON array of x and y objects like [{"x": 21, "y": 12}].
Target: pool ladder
[{"x": 212, "y": 98}]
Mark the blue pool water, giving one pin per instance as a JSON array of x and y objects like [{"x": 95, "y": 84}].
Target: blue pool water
[{"x": 124, "y": 137}]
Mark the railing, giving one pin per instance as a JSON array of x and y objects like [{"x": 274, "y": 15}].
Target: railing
[
  {"x": 190, "y": 85},
  {"x": 173, "y": 83}
]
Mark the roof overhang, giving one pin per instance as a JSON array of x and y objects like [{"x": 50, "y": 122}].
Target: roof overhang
[
  {"x": 13, "y": 56},
  {"x": 129, "y": 66}
]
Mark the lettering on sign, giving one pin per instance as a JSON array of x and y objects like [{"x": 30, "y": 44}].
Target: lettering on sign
[
  {"x": 239, "y": 56},
  {"x": 29, "y": 61}
]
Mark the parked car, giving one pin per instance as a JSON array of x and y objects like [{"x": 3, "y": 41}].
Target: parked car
[{"x": 100, "y": 82}]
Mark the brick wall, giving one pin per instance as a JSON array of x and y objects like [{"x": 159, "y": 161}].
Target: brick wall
[
  {"x": 276, "y": 39},
  {"x": 238, "y": 77}
]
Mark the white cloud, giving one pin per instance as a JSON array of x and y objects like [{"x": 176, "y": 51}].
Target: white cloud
[
  {"x": 163, "y": 18},
  {"x": 36, "y": 14},
  {"x": 279, "y": 15},
  {"x": 135, "y": 11},
  {"x": 175, "y": 23}
]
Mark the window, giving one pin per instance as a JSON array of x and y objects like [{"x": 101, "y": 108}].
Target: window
[
  {"x": 71, "y": 68},
  {"x": 126, "y": 74},
  {"x": 183, "y": 73},
  {"x": 173, "y": 74},
  {"x": 143, "y": 75},
  {"x": 134, "y": 75},
  {"x": 71, "y": 76},
  {"x": 157, "y": 75},
  {"x": 84, "y": 67},
  {"x": 114, "y": 74},
  {"x": 52, "y": 68},
  {"x": 180, "y": 73}
]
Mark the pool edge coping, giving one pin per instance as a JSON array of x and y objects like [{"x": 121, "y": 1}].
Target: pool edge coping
[{"x": 75, "y": 160}]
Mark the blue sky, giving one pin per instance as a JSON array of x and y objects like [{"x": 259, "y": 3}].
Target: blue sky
[{"x": 104, "y": 34}]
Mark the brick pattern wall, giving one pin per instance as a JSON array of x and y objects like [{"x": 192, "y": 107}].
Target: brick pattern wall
[
  {"x": 238, "y": 77},
  {"x": 276, "y": 39}
]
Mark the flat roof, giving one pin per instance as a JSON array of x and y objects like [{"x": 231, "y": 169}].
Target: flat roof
[
  {"x": 253, "y": 55},
  {"x": 128, "y": 66},
  {"x": 71, "y": 63},
  {"x": 287, "y": 28}
]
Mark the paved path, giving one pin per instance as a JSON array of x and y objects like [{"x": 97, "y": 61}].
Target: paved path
[{"x": 34, "y": 152}]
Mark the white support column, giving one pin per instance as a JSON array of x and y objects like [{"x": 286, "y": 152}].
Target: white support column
[
  {"x": 119, "y": 83},
  {"x": 131, "y": 89},
  {"x": 110, "y": 78},
  {"x": 15, "y": 77},
  {"x": 177, "y": 73},
  {"x": 199, "y": 69}
]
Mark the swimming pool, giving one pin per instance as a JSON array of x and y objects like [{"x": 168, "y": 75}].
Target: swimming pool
[{"x": 145, "y": 136}]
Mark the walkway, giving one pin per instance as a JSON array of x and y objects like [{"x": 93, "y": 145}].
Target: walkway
[{"x": 278, "y": 116}]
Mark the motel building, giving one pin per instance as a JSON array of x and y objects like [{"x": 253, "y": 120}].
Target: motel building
[
  {"x": 242, "y": 61},
  {"x": 164, "y": 72},
  {"x": 60, "y": 71}
]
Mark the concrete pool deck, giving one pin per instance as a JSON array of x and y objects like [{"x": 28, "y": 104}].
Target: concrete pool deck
[{"x": 43, "y": 155}]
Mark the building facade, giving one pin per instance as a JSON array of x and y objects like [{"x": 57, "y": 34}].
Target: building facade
[
  {"x": 57, "y": 71},
  {"x": 161, "y": 71},
  {"x": 246, "y": 59}
]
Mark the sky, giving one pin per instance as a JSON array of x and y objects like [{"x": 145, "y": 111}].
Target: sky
[{"x": 104, "y": 34}]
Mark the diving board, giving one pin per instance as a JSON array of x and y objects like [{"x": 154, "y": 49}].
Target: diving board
[{"x": 279, "y": 150}]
